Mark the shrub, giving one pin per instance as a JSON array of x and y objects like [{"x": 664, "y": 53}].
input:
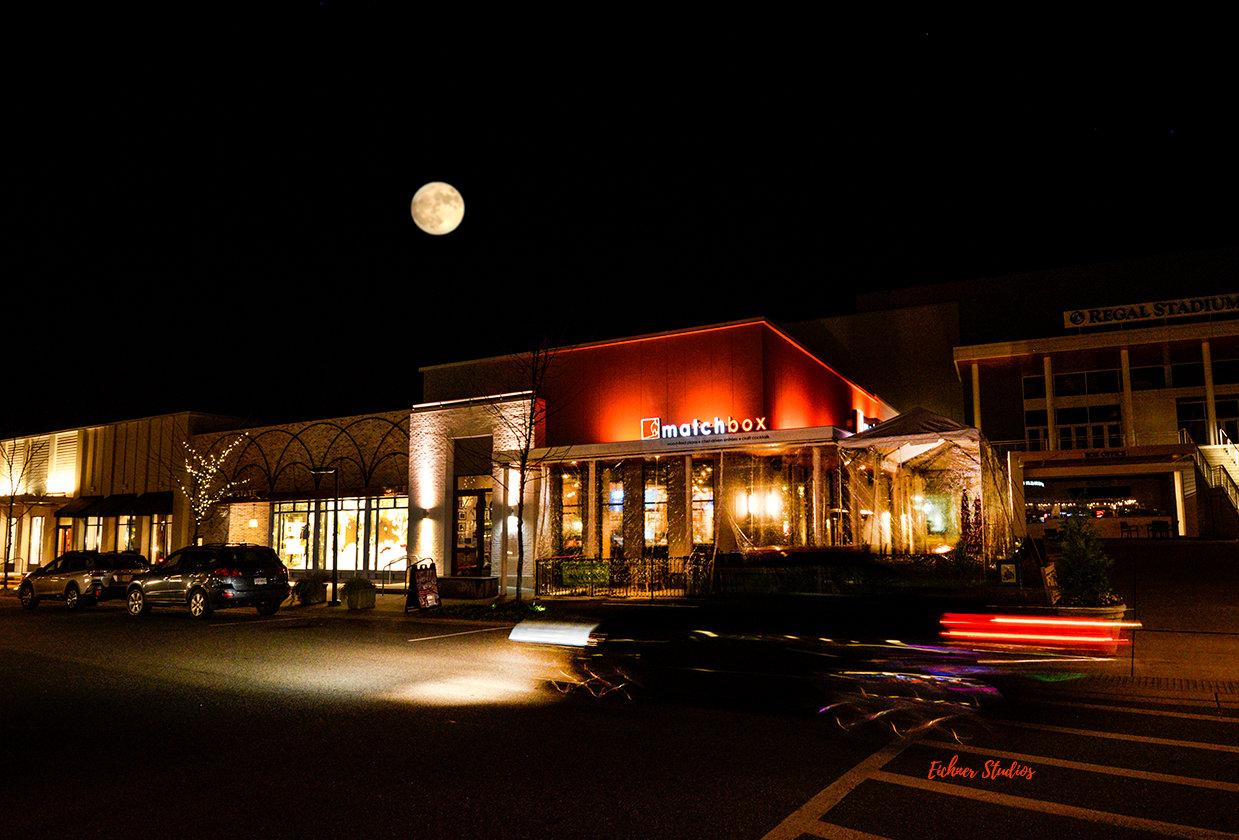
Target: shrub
[
  {"x": 1083, "y": 570},
  {"x": 358, "y": 585},
  {"x": 309, "y": 589}
]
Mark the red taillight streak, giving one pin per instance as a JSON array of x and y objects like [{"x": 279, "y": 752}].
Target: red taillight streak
[
  {"x": 1064, "y": 622},
  {"x": 228, "y": 573},
  {"x": 1032, "y": 637},
  {"x": 1043, "y": 630}
]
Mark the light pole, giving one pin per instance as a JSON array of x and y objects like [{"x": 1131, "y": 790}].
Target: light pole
[{"x": 335, "y": 530}]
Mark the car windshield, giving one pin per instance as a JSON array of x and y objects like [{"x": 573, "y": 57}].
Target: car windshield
[{"x": 249, "y": 558}]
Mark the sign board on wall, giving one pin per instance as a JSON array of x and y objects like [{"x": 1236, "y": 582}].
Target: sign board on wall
[{"x": 1226, "y": 305}]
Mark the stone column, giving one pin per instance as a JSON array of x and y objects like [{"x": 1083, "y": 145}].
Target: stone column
[
  {"x": 1051, "y": 420},
  {"x": 1129, "y": 411},
  {"x": 1211, "y": 436}
]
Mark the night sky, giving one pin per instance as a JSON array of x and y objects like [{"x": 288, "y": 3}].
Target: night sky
[{"x": 228, "y": 229}]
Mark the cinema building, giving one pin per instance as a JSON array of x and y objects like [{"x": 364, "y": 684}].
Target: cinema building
[
  {"x": 1129, "y": 416},
  {"x": 698, "y": 441}
]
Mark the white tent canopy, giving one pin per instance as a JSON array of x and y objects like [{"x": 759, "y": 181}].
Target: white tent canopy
[{"x": 910, "y": 479}]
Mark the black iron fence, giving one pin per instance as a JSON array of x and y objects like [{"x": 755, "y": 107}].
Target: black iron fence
[{"x": 667, "y": 577}]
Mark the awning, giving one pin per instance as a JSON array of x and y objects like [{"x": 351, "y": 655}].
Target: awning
[
  {"x": 119, "y": 504},
  {"x": 79, "y": 506},
  {"x": 152, "y": 504}
]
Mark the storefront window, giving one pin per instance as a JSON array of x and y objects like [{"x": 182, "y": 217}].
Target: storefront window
[
  {"x": 771, "y": 500},
  {"x": 92, "y": 533},
  {"x": 612, "y": 478},
  {"x": 703, "y": 502},
  {"x": 572, "y": 500},
  {"x": 373, "y": 533},
  {"x": 36, "y": 541},
  {"x": 161, "y": 537},
  {"x": 291, "y": 533},
  {"x": 656, "y": 507},
  {"x": 126, "y": 533}
]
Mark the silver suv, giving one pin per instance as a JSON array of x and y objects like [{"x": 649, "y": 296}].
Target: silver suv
[{"x": 81, "y": 578}]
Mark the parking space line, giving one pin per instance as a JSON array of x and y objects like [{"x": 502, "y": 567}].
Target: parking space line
[
  {"x": 1055, "y": 808},
  {"x": 1136, "y": 711},
  {"x": 461, "y": 633},
  {"x": 1192, "y": 781},
  {"x": 1120, "y": 736},
  {"x": 807, "y": 818}
]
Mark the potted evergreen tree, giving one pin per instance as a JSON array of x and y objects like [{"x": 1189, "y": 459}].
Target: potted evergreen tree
[{"x": 1083, "y": 573}]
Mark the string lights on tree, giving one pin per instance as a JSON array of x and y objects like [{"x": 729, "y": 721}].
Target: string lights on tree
[{"x": 204, "y": 483}]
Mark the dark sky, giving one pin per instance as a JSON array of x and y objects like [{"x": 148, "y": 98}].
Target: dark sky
[{"x": 228, "y": 229}]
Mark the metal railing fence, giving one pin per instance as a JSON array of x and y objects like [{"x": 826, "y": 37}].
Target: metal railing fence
[{"x": 647, "y": 577}]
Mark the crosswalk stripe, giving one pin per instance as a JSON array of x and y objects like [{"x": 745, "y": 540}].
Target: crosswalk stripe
[
  {"x": 1122, "y": 736},
  {"x": 1058, "y": 809}
]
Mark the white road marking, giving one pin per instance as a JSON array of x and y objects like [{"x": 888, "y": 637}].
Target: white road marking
[
  {"x": 1192, "y": 781},
  {"x": 461, "y": 633},
  {"x": 1135, "y": 711},
  {"x": 1120, "y": 736},
  {"x": 1086, "y": 814},
  {"x": 807, "y": 818}
]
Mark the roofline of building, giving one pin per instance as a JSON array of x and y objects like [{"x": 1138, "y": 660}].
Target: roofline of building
[
  {"x": 726, "y": 325},
  {"x": 1095, "y": 341}
]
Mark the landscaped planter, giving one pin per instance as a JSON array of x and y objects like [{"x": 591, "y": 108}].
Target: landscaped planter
[{"x": 358, "y": 593}]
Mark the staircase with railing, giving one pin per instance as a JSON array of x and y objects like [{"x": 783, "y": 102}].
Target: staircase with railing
[{"x": 1219, "y": 464}]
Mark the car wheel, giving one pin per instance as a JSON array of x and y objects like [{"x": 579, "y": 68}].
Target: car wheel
[
  {"x": 268, "y": 607},
  {"x": 73, "y": 598},
  {"x": 136, "y": 603},
  {"x": 199, "y": 604},
  {"x": 28, "y": 598}
]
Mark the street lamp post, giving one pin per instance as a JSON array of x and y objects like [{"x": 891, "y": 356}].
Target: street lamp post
[{"x": 335, "y": 530}]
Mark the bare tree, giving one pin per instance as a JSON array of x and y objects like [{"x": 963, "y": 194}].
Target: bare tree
[
  {"x": 19, "y": 462},
  {"x": 205, "y": 482},
  {"x": 532, "y": 371}
]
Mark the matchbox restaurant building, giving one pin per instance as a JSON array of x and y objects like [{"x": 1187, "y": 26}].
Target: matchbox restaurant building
[{"x": 658, "y": 446}]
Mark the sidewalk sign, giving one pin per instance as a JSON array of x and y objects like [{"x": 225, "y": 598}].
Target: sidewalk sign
[{"x": 423, "y": 594}]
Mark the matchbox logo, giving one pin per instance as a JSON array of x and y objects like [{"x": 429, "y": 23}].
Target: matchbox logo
[{"x": 652, "y": 428}]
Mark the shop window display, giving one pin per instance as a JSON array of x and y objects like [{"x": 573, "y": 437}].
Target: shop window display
[{"x": 373, "y": 533}]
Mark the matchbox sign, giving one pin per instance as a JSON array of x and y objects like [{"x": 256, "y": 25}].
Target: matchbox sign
[{"x": 652, "y": 428}]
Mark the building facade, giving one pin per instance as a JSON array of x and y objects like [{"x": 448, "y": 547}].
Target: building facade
[
  {"x": 110, "y": 487},
  {"x": 709, "y": 439},
  {"x": 1128, "y": 416}
]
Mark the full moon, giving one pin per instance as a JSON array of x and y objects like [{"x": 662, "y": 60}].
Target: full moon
[{"x": 437, "y": 208}]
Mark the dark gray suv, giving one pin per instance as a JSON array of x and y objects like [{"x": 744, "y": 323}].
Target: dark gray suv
[{"x": 211, "y": 577}]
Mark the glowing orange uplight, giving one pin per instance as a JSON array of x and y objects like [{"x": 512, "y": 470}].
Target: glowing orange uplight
[{"x": 1034, "y": 630}]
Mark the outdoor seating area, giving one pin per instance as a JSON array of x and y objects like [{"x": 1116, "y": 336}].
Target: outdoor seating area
[{"x": 1140, "y": 527}]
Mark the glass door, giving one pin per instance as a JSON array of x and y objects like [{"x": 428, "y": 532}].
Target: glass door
[{"x": 471, "y": 540}]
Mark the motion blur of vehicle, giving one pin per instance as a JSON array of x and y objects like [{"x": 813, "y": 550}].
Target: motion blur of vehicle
[
  {"x": 81, "y": 578},
  {"x": 876, "y": 645}
]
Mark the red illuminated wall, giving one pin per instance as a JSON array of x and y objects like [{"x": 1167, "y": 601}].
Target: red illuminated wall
[{"x": 600, "y": 393}]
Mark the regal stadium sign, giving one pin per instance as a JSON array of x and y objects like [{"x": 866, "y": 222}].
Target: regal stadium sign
[{"x": 1225, "y": 305}]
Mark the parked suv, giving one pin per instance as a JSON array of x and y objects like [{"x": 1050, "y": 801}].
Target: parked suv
[
  {"x": 210, "y": 577},
  {"x": 81, "y": 578}
]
